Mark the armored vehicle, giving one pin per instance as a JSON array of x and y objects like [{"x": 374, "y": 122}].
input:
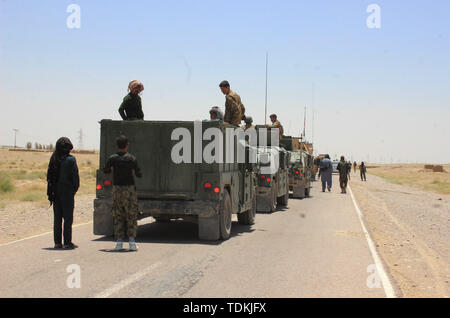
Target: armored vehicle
[
  {"x": 191, "y": 188},
  {"x": 301, "y": 167},
  {"x": 272, "y": 188}
]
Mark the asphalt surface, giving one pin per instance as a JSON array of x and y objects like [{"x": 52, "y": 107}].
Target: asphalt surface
[{"x": 313, "y": 248}]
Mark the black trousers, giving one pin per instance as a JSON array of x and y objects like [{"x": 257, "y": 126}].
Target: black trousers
[
  {"x": 363, "y": 176},
  {"x": 343, "y": 183},
  {"x": 63, "y": 210}
]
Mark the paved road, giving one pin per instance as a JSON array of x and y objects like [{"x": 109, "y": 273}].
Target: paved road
[{"x": 314, "y": 248}]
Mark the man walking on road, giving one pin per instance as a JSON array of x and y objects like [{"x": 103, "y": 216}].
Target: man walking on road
[
  {"x": 362, "y": 171},
  {"x": 354, "y": 166},
  {"x": 125, "y": 205},
  {"x": 326, "y": 173},
  {"x": 343, "y": 168}
]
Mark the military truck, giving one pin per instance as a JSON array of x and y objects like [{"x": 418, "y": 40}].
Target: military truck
[
  {"x": 192, "y": 189},
  {"x": 272, "y": 188},
  {"x": 301, "y": 167}
]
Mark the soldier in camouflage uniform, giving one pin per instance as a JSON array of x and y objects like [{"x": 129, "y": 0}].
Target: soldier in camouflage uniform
[
  {"x": 276, "y": 124},
  {"x": 125, "y": 206},
  {"x": 343, "y": 168},
  {"x": 248, "y": 123},
  {"x": 234, "y": 109}
]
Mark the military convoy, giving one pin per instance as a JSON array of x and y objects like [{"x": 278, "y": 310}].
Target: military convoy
[
  {"x": 207, "y": 192},
  {"x": 196, "y": 188}
]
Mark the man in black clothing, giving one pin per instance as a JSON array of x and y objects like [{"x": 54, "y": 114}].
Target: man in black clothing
[
  {"x": 125, "y": 206},
  {"x": 63, "y": 182},
  {"x": 131, "y": 107}
]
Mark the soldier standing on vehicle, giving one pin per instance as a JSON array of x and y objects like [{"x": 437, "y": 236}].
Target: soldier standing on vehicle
[
  {"x": 248, "y": 123},
  {"x": 131, "y": 107},
  {"x": 63, "y": 182},
  {"x": 276, "y": 124},
  {"x": 215, "y": 114},
  {"x": 234, "y": 109},
  {"x": 362, "y": 171},
  {"x": 326, "y": 173},
  {"x": 343, "y": 168},
  {"x": 125, "y": 204}
]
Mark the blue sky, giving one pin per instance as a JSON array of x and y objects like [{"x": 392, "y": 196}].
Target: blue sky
[{"x": 378, "y": 92}]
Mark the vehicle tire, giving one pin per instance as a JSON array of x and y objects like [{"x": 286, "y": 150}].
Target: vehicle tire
[
  {"x": 273, "y": 195},
  {"x": 307, "y": 191},
  {"x": 225, "y": 216},
  {"x": 283, "y": 200},
  {"x": 162, "y": 219},
  {"x": 248, "y": 217}
]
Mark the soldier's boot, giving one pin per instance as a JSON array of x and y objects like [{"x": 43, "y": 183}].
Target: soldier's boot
[
  {"x": 133, "y": 246},
  {"x": 119, "y": 245}
]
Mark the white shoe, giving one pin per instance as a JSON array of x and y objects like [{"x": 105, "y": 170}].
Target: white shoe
[
  {"x": 133, "y": 246},
  {"x": 119, "y": 246}
]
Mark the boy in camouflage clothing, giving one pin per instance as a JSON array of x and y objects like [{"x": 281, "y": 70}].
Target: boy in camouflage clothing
[{"x": 125, "y": 206}]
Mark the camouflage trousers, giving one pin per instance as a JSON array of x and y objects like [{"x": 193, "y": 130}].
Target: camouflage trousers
[{"x": 124, "y": 211}]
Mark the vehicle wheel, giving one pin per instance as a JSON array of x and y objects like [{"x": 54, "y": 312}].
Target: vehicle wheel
[
  {"x": 248, "y": 217},
  {"x": 161, "y": 219},
  {"x": 283, "y": 200},
  {"x": 225, "y": 216},
  {"x": 307, "y": 191},
  {"x": 273, "y": 202}
]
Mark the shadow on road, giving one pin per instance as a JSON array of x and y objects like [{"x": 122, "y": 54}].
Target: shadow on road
[
  {"x": 117, "y": 251},
  {"x": 57, "y": 249},
  {"x": 177, "y": 232}
]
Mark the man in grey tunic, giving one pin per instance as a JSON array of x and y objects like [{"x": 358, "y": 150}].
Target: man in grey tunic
[{"x": 326, "y": 173}]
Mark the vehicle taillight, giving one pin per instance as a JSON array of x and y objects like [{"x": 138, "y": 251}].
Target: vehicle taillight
[
  {"x": 107, "y": 183},
  {"x": 207, "y": 185},
  {"x": 99, "y": 186},
  {"x": 217, "y": 190}
]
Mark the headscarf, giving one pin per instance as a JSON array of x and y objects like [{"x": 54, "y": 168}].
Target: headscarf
[
  {"x": 134, "y": 84},
  {"x": 62, "y": 150}
]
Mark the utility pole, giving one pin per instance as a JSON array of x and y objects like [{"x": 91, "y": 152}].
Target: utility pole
[
  {"x": 267, "y": 65},
  {"x": 15, "y": 137},
  {"x": 80, "y": 139},
  {"x": 312, "y": 107}
]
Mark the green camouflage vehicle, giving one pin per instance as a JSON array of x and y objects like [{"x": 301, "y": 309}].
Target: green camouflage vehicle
[
  {"x": 301, "y": 167},
  {"x": 193, "y": 189},
  {"x": 300, "y": 174},
  {"x": 272, "y": 188}
]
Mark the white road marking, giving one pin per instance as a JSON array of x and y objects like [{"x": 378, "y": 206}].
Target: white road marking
[
  {"x": 39, "y": 235},
  {"x": 388, "y": 289},
  {"x": 128, "y": 281}
]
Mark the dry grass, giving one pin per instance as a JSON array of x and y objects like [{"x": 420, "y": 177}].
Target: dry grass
[
  {"x": 416, "y": 176},
  {"x": 23, "y": 176}
]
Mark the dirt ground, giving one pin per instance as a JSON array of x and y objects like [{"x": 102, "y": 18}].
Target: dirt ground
[
  {"x": 24, "y": 208},
  {"x": 415, "y": 175},
  {"x": 411, "y": 229},
  {"x": 24, "y": 219}
]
